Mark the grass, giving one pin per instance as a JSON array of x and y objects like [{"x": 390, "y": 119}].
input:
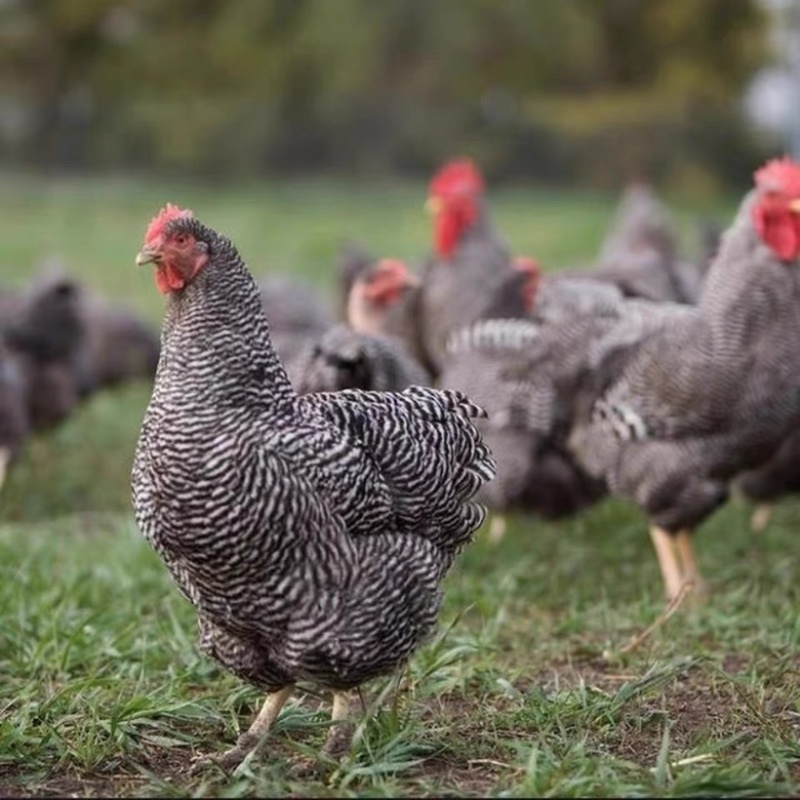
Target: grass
[{"x": 525, "y": 692}]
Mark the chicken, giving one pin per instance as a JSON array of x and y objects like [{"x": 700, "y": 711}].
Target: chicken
[
  {"x": 767, "y": 483},
  {"x": 44, "y": 330},
  {"x": 358, "y": 355},
  {"x": 511, "y": 369},
  {"x": 311, "y": 533},
  {"x": 297, "y": 313},
  {"x": 117, "y": 346},
  {"x": 671, "y": 419},
  {"x": 470, "y": 262},
  {"x": 14, "y": 419},
  {"x": 398, "y": 319},
  {"x": 353, "y": 260},
  {"x": 640, "y": 251},
  {"x": 497, "y": 362}
]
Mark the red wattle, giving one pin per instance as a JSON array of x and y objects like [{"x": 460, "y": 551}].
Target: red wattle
[{"x": 780, "y": 232}]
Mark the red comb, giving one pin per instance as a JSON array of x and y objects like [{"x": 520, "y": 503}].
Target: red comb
[
  {"x": 526, "y": 264},
  {"x": 781, "y": 174},
  {"x": 393, "y": 265},
  {"x": 159, "y": 222},
  {"x": 460, "y": 176}
]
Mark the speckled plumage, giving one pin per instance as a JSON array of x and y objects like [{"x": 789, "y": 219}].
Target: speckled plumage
[
  {"x": 640, "y": 252},
  {"x": 704, "y": 395},
  {"x": 310, "y": 533},
  {"x": 521, "y": 373},
  {"x": 460, "y": 289},
  {"x": 344, "y": 359}
]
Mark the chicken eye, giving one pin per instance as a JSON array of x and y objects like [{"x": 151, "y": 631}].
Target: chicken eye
[{"x": 181, "y": 239}]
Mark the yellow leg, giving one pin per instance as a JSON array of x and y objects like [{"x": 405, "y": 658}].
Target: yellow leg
[
  {"x": 341, "y": 731},
  {"x": 5, "y": 458},
  {"x": 691, "y": 572},
  {"x": 667, "y": 561},
  {"x": 761, "y": 517},
  {"x": 250, "y": 739},
  {"x": 497, "y": 528},
  {"x": 337, "y": 743}
]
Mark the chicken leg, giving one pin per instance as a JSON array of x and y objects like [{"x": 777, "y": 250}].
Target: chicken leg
[
  {"x": 5, "y": 458},
  {"x": 497, "y": 528},
  {"x": 667, "y": 561},
  {"x": 252, "y": 737},
  {"x": 761, "y": 517},
  {"x": 677, "y": 561},
  {"x": 690, "y": 570},
  {"x": 337, "y": 742}
]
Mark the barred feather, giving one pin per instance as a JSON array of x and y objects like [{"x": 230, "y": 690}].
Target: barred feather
[{"x": 311, "y": 533}]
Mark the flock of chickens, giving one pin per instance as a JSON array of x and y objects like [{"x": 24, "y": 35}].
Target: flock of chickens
[
  {"x": 59, "y": 344},
  {"x": 308, "y": 492},
  {"x": 647, "y": 375}
]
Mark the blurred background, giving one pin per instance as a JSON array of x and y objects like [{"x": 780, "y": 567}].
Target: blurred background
[
  {"x": 296, "y": 125},
  {"x": 555, "y": 91}
]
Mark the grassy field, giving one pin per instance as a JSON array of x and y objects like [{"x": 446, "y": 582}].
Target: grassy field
[{"x": 528, "y": 690}]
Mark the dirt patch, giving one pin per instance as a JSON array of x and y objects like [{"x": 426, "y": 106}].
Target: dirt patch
[{"x": 473, "y": 778}]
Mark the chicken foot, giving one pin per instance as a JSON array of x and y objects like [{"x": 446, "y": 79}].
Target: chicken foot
[
  {"x": 5, "y": 458},
  {"x": 677, "y": 561},
  {"x": 251, "y": 738},
  {"x": 338, "y": 740},
  {"x": 497, "y": 528},
  {"x": 761, "y": 517}
]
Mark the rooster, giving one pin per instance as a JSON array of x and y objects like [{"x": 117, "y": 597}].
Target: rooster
[
  {"x": 311, "y": 533},
  {"x": 672, "y": 418},
  {"x": 469, "y": 266}
]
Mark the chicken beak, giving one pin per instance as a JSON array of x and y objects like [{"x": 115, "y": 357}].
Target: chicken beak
[
  {"x": 794, "y": 206},
  {"x": 433, "y": 205},
  {"x": 147, "y": 255},
  {"x": 412, "y": 282}
]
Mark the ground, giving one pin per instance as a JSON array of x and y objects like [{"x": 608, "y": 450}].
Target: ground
[{"x": 526, "y": 691}]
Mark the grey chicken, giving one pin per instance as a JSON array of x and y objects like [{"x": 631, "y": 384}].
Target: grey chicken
[
  {"x": 297, "y": 313},
  {"x": 470, "y": 262},
  {"x": 311, "y": 533},
  {"x": 673, "y": 418},
  {"x": 511, "y": 368},
  {"x": 400, "y": 318},
  {"x": 14, "y": 419},
  {"x": 43, "y": 330},
  {"x": 117, "y": 345},
  {"x": 640, "y": 252},
  {"x": 359, "y": 355},
  {"x": 768, "y": 483}
]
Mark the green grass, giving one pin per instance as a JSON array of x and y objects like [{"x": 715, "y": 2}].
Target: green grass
[{"x": 526, "y": 692}]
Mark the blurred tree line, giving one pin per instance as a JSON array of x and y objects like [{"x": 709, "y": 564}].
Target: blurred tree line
[{"x": 578, "y": 90}]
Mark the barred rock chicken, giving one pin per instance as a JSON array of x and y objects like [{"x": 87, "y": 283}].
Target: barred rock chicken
[
  {"x": 768, "y": 483},
  {"x": 14, "y": 420},
  {"x": 358, "y": 355},
  {"x": 640, "y": 252},
  {"x": 43, "y": 331},
  {"x": 469, "y": 263},
  {"x": 117, "y": 346},
  {"x": 399, "y": 319},
  {"x": 674, "y": 418},
  {"x": 310, "y": 533},
  {"x": 352, "y": 261},
  {"x": 297, "y": 314}
]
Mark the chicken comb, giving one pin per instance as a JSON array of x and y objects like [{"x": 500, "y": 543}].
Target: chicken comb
[
  {"x": 393, "y": 265},
  {"x": 526, "y": 264},
  {"x": 457, "y": 177},
  {"x": 162, "y": 219},
  {"x": 781, "y": 174}
]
